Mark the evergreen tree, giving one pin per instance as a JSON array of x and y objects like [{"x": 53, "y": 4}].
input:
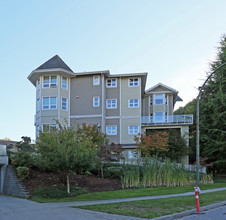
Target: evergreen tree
[{"x": 213, "y": 114}]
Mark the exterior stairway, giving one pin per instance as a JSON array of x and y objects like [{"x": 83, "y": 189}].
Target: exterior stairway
[{"x": 12, "y": 184}]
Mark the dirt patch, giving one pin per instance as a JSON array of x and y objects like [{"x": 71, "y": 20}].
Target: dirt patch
[{"x": 89, "y": 182}]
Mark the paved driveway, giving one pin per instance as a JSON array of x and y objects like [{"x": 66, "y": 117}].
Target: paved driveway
[{"x": 12, "y": 208}]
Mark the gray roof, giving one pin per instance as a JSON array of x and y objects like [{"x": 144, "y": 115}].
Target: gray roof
[
  {"x": 178, "y": 99},
  {"x": 54, "y": 62}
]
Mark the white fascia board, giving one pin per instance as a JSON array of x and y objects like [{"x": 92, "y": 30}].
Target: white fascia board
[
  {"x": 128, "y": 75},
  {"x": 104, "y": 72},
  {"x": 86, "y": 116},
  {"x": 35, "y": 73},
  {"x": 160, "y": 84}
]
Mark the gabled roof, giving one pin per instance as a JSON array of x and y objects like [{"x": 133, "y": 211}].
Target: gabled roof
[
  {"x": 53, "y": 63},
  {"x": 160, "y": 84}
]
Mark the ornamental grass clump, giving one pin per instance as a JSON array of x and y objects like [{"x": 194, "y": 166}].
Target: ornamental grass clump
[{"x": 154, "y": 173}]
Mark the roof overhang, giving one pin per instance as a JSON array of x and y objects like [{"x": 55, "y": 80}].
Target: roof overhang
[
  {"x": 162, "y": 85},
  {"x": 100, "y": 72},
  {"x": 36, "y": 73}
]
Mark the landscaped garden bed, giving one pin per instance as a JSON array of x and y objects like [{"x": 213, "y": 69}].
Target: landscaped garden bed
[{"x": 89, "y": 182}]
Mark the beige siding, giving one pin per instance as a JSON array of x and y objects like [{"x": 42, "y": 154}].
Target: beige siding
[
  {"x": 130, "y": 93},
  {"x": 88, "y": 121},
  {"x": 81, "y": 95},
  {"x": 145, "y": 106},
  {"x": 113, "y": 138},
  {"x": 113, "y": 93},
  {"x": 126, "y": 122},
  {"x": 160, "y": 89},
  {"x": 170, "y": 104}
]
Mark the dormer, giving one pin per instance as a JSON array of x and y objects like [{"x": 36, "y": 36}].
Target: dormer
[{"x": 160, "y": 98}]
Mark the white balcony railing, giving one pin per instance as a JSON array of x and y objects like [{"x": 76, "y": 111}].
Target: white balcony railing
[{"x": 166, "y": 120}]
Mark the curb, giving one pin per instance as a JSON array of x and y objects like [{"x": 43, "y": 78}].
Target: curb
[{"x": 190, "y": 212}]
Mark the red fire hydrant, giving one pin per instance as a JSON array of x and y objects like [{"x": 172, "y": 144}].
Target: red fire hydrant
[{"x": 197, "y": 190}]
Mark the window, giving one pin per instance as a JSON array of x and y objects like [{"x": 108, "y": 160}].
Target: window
[
  {"x": 49, "y": 81},
  {"x": 38, "y": 105},
  {"x": 133, "y": 82},
  {"x": 132, "y": 154},
  {"x": 64, "y": 104},
  {"x": 133, "y": 103},
  {"x": 96, "y": 80},
  {"x": 133, "y": 129},
  {"x": 38, "y": 83},
  {"x": 37, "y": 131},
  {"x": 111, "y": 103},
  {"x": 48, "y": 127},
  {"x": 159, "y": 99},
  {"x": 111, "y": 130},
  {"x": 96, "y": 101},
  {"x": 64, "y": 83},
  {"x": 111, "y": 83},
  {"x": 49, "y": 103},
  {"x": 159, "y": 117}
]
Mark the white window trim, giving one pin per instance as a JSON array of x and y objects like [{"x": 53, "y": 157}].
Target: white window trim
[
  {"x": 49, "y": 82},
  {"x": 38, "y": 105},
  {"x": 111, "y": 126},
  {"x": 154, "y": 99},
  {"x": 62, "y": 82},
  {"x": 96, "y": 106},
  {"x": 111, "y": 83},
  {"x": 133, "y": 129},
  {"x": 49, "y": 102},
  {"x": 132, "y": 154},
  {"x": 62, "y": 104},
  {"x": 38, "y": 84},
  {"x": 50, "y": 125},
  {"x": 111, "y": 103},
  {"x": 133, "y": 106},
  {"x": 133, "y": 82},
  {"x": 94, "y": 81}
]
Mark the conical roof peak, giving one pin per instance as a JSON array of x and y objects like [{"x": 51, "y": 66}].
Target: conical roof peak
[{"x": 54, "y": 62}]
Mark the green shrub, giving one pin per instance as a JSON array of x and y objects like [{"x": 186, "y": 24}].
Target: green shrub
[
  {"x": 22, "y": 159},
  {"x": 58, "y": 192},
  {"x": 23, "y": 172},
  {"x": 113, "y": 171}
]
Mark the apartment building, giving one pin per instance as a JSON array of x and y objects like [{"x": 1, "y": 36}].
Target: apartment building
[{"x": 118, "y": 103}]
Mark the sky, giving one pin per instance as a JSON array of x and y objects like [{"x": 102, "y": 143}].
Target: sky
[{"x": 172, "y": 40}]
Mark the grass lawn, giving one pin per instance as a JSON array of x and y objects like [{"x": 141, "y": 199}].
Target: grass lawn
[
  {"x": 157, "y": 207},
  {"x": 130, "y": 193}
]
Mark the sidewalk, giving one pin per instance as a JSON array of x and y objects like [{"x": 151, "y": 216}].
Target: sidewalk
[{"x": 81, "y": 203}]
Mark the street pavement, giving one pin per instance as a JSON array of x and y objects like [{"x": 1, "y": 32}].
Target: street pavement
[
  {"x": 21, "y": 209},
  {"x": 12, "y": 208},
  {"x": 218, "y": 213}
]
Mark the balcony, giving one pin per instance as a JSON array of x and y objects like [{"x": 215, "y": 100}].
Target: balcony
[{"x": 167, "y": 120}]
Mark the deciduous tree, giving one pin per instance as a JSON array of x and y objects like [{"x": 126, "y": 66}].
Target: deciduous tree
[
  {"x": 152, "y": 145},
  {"x": 67, "y": 150}
]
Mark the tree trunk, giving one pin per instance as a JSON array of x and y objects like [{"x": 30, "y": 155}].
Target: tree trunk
[
  {"x": 68, "y": 183},
  {"x": 102, "y": 170}
]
